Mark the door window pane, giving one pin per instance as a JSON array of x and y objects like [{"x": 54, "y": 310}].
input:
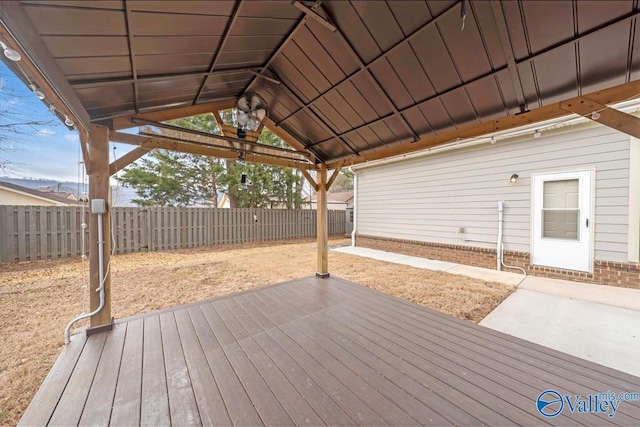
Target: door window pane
[
  {"x": 560, "y": 209},
  {"x": 561, "y": 194},
  {"x": 561, "y": 224}
]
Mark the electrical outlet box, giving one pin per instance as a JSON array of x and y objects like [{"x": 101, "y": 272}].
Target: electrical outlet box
[{"x": 98, "y": 206}]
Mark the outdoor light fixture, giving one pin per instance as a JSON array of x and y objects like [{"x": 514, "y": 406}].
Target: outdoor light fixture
[
  {"x": 537, "y": 134},
  {"x": 514, "y": 178},
  {"x": 68, "y": 121},
  {"x": 595, "y": 115},
  {"x": 37, "y": 92},
  {"x": 493, "y": 140},
  {"x": 11, "y": 54}
]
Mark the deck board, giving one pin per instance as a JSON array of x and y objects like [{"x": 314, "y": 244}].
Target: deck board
[
  {"x": 208, "y": 398},
  {"x": 183, "y": 409},
  {"x": 126, "y": 403},
  {"x": 69, "y": 408},
  {"x": 103, "y": 389},
  {"x": 154, "y": 404},
  {"x": 313, "y": 352},
  {"x": 48, "y": 395},
  {"x": 239, "y": 406}
]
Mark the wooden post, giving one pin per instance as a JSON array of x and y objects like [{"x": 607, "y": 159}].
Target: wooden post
[
  {"x": 99, "y": 189},
  {"x": 322, "y": 223}
]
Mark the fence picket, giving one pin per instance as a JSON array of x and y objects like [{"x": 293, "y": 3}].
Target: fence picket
[{"x": 51, "y": 232}]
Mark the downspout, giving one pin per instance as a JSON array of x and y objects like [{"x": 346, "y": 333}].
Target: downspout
[
  {"x": 499, "y": 245},
  {"x": 355, "y": 207},
  {"x": 67, "y": 331}
]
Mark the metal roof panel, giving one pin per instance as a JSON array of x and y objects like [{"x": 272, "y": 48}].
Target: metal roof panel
[
  {"x": 355, "y": 98},
  {"x": 75, "y": 21},
  {"x": 78, "y": 47},
  {"x": 380, "y": 22},
  {"x": 393, "y": 86},
  {"x": 437, "y": 115},
  {"x": 435, "y": 60},
  {"x": 261, "y": 26},
  {"x": 410, "y": 14},
  {"x": 355, "y": 31},
  {"x": 546, "y": 22},
  {"x": 198, "y": 7},
  {"x": 603, "y": 62},
  {"x": 410, "y": 71},
  {"x": 163, "y": 24},
  {"x": 554, "y": 71},
  {"x": 156, "y": 45}
]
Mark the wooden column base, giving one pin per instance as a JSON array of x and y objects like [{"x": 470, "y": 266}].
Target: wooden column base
[
  {"x": 322, "y": 275},
  {"x": 105, "y": 327}
]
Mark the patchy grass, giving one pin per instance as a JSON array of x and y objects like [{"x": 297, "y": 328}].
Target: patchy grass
[{"x": 38, "y": 299}]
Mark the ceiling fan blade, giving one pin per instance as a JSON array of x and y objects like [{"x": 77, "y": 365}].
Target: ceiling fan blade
[
  {"x": 242, "y": 118},
  {"x": 261, "y": 114},
  {"x": 243, "y": 104},
  {"x": 256, "y": 101}
]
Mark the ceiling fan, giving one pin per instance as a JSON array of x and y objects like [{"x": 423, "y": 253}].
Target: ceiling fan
[{"x": 251, "y": 110}]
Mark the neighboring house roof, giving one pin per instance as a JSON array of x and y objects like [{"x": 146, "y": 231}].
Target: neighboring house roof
[
  {"x": 343, "y": 197},
  {"x": 53, "y": 190},
  {"x": 58, "y": 198}
]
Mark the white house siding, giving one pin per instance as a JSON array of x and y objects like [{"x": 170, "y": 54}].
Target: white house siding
[
  {"x": 9, "y": 197},
  {"x": 429, "y": 198}
]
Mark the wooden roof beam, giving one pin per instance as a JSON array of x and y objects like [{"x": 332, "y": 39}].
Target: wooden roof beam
[
  {"x": 604, "y": 97},
  {"x": 618, "y": 120},
  {"x": 334, "y": 175},
  {"x": 118, "y": 164},
  {"x": 202, "y": 149},
  {"x": 289, "y": 139},
  {"x": 173, "y": 113},
  {"x": 309, "y": 178}
]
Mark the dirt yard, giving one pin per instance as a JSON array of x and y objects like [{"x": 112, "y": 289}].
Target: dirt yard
[{"x": 38, "y": 299}]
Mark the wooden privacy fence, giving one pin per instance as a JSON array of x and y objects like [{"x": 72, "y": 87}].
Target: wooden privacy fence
[{"x": 29, "y": 233}]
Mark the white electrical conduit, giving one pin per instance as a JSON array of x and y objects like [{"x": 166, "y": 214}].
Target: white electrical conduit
[
  {"x": 67, "y": 331},
  {"x": 509, "y": 266},
  {"x": 499, "y": 244},
  {"x": 355, "y": 204},
  {"x": 501, "y": 255}
]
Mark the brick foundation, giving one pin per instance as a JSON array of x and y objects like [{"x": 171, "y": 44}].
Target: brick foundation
[{"x": 623, "y": 274}]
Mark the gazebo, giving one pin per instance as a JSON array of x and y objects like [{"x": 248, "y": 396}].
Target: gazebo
[{"x": 344, "y": 83}]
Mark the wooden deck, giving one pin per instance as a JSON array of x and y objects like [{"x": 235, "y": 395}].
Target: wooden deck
[{"x": 313, "y": 352}]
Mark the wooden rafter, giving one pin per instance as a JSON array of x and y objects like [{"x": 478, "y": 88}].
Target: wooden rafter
[
  {"x": 335, "y": 174},
  {"x": 219, "y": 141},
  {"x": 84, "y": 146},
  {"x": 597, "y": 112},
  {"x": 309, "y": 178},
  {"x": 289, "y": 139},
  {"x": 203, "y": 149},
  {"x": 124, "y": 161},
  {"x": 604, "y": 97},
  {"x": 173, "y": 113}
]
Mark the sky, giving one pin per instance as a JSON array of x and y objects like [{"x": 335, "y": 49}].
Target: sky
[{"x": 46, "y": 151}]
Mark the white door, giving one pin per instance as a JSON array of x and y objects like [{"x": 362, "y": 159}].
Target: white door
[{"x": 562, "y": 220}]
